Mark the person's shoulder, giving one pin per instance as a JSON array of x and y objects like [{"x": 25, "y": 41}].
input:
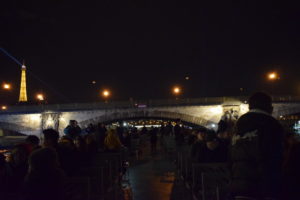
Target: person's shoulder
[{"x": 256, "y": 116}]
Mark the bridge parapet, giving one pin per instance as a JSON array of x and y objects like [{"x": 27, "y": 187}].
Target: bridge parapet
[{"x": 124, "y": 104}]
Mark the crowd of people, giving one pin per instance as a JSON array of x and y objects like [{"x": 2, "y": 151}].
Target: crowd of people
[
  {"x": 37, "y": 170},
  {"x": 262, "y": 156}
]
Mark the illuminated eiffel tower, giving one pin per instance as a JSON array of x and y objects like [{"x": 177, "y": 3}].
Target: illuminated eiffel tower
[{"x": 23, "y": 91}]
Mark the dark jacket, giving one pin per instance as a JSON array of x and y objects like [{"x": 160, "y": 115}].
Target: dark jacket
[
  {"x": 256, "y": 156},
  {"x": 205, "y": 155},
  {"x": 48, "y": 184}
]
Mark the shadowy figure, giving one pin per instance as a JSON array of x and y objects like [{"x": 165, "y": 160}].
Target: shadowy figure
[
  {"x": 112, "y": 142},
  {"x": 45, "y": 180},
  {"x": 65, "y": 150},
  {"x": 17, "y": 168},
  {"x": 73, "y": 130},
  {"x": 256, "y": 151},
  {"x": 34, "y": 141},
  {"x": 153, "y": 139},
  {"x": 212, "y": 151}
]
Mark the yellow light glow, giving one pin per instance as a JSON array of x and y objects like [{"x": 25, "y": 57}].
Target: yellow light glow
[
  {"x": 176, "y": 90},
  {"x": 6, "y": 86},
  {"x": 35, "y": 117},
  {"x": 272, "y": 76},
  {"x": 244, "y": 108},
  {"x": 3, "y": 107},
  {"x": 216, "y": 110},
  {"x": 40, "y": 97},
  {"x": 105, "y": 93}
]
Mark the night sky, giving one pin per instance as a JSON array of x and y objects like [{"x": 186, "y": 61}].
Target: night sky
[{"x": 140, "y": 49}]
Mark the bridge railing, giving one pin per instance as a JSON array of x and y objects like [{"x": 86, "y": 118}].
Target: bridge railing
[{"x": 138, "y": 104}]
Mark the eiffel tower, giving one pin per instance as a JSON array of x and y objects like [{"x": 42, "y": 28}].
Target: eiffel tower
[{"x": 23, "y": 91}]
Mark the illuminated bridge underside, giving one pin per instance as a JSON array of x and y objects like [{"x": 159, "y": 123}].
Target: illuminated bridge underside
[{"x": 203, "y": 115}]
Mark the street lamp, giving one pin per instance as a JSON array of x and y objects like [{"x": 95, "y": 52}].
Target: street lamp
[
  {"x": 176, "y": 90},
  {"x": 40, "y": 97},
  {"x": 105, "y": 93},
  {"x": 273, "y": 76},
  {"x": 6, "y": 86},
  {"x": 3, "y": 107}
]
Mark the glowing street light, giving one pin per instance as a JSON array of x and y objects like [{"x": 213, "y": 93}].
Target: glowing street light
[
  {"x": 40, "y": 97},
  {"x": 106, "y": 93},
  {"x": 273, "y": 76},
  {"x": 3, "y": 107},
  {"x": 6, "y": 86},
  {"x": 176, "y": 90}
]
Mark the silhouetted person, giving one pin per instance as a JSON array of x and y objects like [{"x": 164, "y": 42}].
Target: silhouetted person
[
  {"x": 211, "y": 151},
  {"x": 256, "y": 151},
  {"x": 17, "y": 167},
  {"x": 169, "y": 129},
  {"x": 192, "y": 138},
  {"x": 126, "y": 139},
  {"x": 197, "y": 145},
  {"x": 100, "y": 135},
  {"x": 90, "y": 129},
  {"x": 91, "y": 145},
  {"x": 66, "y": 155},
  {"x": 34, "y": 141},
  {"x": 112, "y": 142},
  {"x": 45, "y": 180},
  {"x": 73, "y": 130},
  {"x": 179, "y": 136}
]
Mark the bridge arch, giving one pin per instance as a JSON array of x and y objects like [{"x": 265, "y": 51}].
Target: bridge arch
[{"x": 143, "y": 114}]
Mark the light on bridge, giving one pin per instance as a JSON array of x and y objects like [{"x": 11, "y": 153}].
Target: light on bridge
[{"x": 3, "y": 107}]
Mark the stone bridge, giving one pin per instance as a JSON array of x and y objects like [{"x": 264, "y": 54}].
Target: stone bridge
[{"x": 202, "y": 112}]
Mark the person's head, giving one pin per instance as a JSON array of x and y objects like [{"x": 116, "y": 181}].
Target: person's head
[
  {"x": 51, "y": 137},
  {"x": 212, "y": 141},
  {"x": 19, "y": 154},
  {"x": 33, "y": 140},
  {"x": 43, "y": 159},
  {"x": 73, "y": 123},
  {"x": 262, "y": 101}
]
